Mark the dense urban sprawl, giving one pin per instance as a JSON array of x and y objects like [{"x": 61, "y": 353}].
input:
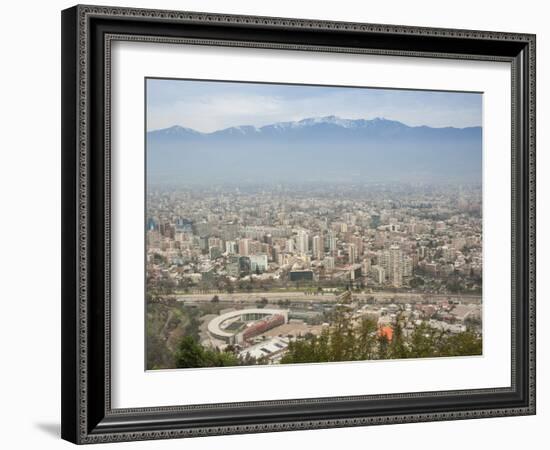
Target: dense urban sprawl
[{"x": 263, "y": 274}]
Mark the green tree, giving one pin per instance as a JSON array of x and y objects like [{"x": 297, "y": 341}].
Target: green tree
[
  {"x": 366, "y": 340},
  {"x": 300, "y": 352},
  {"x": 350, "y": 352},
  {"x": 323, "y": 349},
  {"x": 190, "y": 354},
  {"x": 345, "y": 341},
  {"x": 462, "y": 344},
  {"x": 425, "y": 341},
  {"x": 415, "y": 282},
  {"x": 338, "y": 341},
  {"x": 223, "y": 359},
  {"x": 383, "y": 346},
  {"x": 398, "y": 346}
]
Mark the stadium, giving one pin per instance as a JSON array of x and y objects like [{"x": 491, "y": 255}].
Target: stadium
[{"x": 236, "y": 327}]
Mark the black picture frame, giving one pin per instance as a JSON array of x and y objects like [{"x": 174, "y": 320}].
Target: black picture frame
[{"x": 87, "y": 32}]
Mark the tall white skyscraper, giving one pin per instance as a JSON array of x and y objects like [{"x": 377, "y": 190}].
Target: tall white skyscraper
[
  {"x": 302, "y": 242},
  {"x": 231, "y": 247},
  {"x": 318, "y": 247},
  {"x": 395, "y": 265},
  {"x": 289, "y": 247},
  {"x": 331, "y": 243},
  {"x": 352, "y": 253},
  {"x": 365, "y": 267}
]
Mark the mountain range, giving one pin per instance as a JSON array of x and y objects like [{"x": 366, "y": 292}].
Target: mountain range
[{"x": 317, "y": 149}]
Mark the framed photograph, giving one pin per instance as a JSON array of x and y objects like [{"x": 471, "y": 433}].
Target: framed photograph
[{"x": 278, "y": 224}]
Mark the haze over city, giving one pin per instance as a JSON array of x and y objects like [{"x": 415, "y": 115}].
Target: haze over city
[{"x": 277, "y": 237}]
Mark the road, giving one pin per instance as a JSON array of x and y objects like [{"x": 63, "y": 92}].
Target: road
[{"x": 294, "y": 296}]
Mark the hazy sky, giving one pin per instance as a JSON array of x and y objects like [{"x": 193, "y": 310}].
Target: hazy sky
[{"x": 209, "y": 106}]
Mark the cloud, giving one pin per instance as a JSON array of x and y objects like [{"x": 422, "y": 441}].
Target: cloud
[
  {"x": 213, "y": 113},
  {"x": 210, "y": 106}
]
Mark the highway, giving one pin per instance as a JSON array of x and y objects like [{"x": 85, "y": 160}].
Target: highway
[{"x": 296, "y": 296}]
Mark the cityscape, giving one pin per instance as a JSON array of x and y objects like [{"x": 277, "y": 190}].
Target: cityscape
[{"x": 263, "y": 270}]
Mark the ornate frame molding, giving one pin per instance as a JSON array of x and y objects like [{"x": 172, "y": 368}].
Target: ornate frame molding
[{"x": 80, "y": 423}]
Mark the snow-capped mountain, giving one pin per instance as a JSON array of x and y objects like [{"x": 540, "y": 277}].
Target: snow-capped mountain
[
  {"x": 317, "y": 148},
  {"x": 176, "y": 131},
  {"x": 316, "y": 122}
]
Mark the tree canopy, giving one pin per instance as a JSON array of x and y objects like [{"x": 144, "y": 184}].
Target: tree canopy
[
  {"x": 191, "y": 354},
  {"x": 346, "y": 341}
]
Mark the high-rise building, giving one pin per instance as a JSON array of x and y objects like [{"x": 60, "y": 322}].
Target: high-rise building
[
  {"x": 214, "y": 242},
  {"x": 328, "y": 263},
  {"x": 289, "y": 247},
  {"x": 407, "y": 266},
  {"x": 244, "y": 247},
  {"x": 352, "y": 253},
  {"x": 366, "y": 266},
  {"x": 378, "y": 274},
  {"x": 244, "y": 264},
  {"x": 275, "y": 252},
  {"x": 318, "y": 247},
  {"x": 233, "y": 266},
  {"x": 258, "y": 263},
  {"x": 355, "y": 271},
  {"x": 393, "y": 260},
  {"x": 231, "y": 247},
  {"x": 203, "y": 243},
  {"x": 215, "y": 252},
  {"x": 167, "y": 230},
  {"x": 331, "y": 243},
  {"x": 358, "y": 242},
  {"x": 302, "y": 242}
]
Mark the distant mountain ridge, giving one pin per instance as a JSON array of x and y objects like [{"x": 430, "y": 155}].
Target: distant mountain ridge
[
  {"x": 327, "y": 121},
  {"x": 326, "y": 148}
]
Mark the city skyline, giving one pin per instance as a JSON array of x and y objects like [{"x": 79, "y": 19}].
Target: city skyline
[
  {"x": 277, "y": 239},
  {"x": 264, "y": 276}
]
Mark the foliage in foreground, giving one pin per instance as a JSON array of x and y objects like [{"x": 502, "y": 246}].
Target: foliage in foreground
[
  {"x": 346, "y": 342},
  {"x": 190, "y": 354}
]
